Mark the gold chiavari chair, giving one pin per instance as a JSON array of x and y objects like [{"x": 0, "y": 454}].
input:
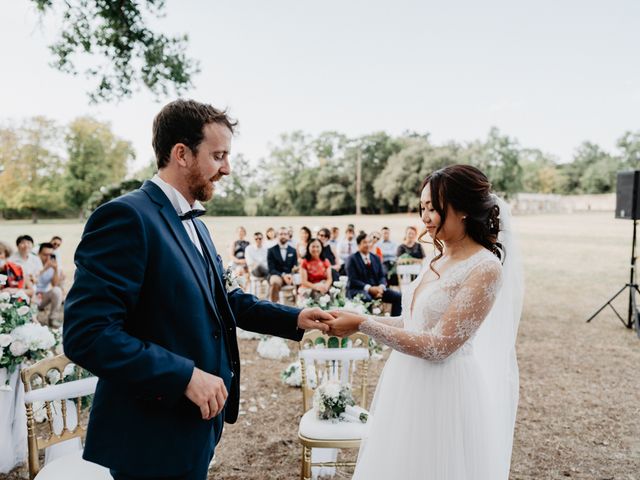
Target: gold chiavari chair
[
  {"x": 59, "y": 387},
  {"x": 331, "y": 358}
]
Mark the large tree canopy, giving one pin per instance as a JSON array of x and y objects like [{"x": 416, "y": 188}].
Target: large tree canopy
[{"x": 123, "y": 51}]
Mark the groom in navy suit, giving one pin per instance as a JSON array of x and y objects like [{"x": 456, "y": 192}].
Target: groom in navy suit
[
  {"x": 150, "y": 315},
  {"x": 367, "y": 278}
]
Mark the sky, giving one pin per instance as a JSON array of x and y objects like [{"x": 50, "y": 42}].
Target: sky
[{"x": 551, "y": 73}]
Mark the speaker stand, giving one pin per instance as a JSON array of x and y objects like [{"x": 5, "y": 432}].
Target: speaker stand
[{"x": 632, "y": 315}]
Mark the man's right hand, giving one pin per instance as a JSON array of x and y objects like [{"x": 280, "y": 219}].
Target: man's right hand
[
  {"x": 375, "y": 292},
  {"x": 207, "y": 392}
]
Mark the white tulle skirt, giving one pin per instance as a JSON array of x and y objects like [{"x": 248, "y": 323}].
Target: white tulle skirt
[{"x": 430, "y": 421}]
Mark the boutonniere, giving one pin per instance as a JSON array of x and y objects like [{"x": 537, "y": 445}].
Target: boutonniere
[{"x": 230, "y": 280}]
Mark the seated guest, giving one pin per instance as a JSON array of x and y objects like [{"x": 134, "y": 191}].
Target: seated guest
[
  {"x": 238, "y": 262},
  {"x": 15, "y": 276},
  {"x": 389, "y": 255},
  {"x": 270, "y": 241},
  {"x": 303, "y": 240},
  {"x": 282, "y": 259},
  {"x": 347, "y": 246},
  {"x": 329, "y": 252},
  {"x": 366, "y": 277},
  {"x": 30, "y": 263},
  {"x": 410, "y": 246},
  {"x": 48, "y": 284},
  {"x": 335, "y": 237},
  {"x": 56, "y": 241},
  {"x": 389, "y": 248},
  {"x": 315, "y": 271},
  {"x": 374, "y": 238},
  {"x": 256, "y": 257}
]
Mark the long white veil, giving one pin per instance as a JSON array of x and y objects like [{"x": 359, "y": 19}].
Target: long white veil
[{"x": 495, "y": 342}]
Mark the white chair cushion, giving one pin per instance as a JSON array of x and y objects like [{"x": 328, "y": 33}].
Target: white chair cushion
[
  {"x": 314, "y": 428},
  {"x": 357, "y": 353},
  {"x": 73, "y": 467},
  {"x": 73, "y": 389}
]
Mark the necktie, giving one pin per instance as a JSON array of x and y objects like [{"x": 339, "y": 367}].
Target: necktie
[
  {"x": 367, "y": 262},
  {"x": 191, "y": 214},
  {"x": 349, "y": 251}
]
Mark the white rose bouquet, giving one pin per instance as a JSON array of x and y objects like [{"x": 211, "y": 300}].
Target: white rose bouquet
[
  {"x": 331, "y": 399},
  {"x": 22, "y": 338}
]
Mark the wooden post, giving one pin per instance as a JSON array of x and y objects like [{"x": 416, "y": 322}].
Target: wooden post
[{"x": 358, "y": 182}]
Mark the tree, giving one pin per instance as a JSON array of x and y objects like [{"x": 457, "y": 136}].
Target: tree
[
  {"x": 128, "y": 52},
  {"x": 96, "y": 158},
  {"x": 376, "y": 149},
  {"x": 540, "y": 173},
  {"x": 285, "y": 166},
  {"x": 499, "y": 158},
  {"x": 233, "y": 191},
  {"x": 32, "y": 176},
  {"x": 629, "y": 145}
]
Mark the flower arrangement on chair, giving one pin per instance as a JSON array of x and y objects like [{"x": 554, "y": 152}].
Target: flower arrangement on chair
[{"x": 22, "y": 338}]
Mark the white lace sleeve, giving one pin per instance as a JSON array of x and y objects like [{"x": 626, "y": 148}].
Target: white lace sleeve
[
  {"x": 467, "y": 310},
  {"x": 391, "y": 321}
]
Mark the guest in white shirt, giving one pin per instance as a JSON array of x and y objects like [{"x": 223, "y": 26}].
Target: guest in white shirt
[
  {"x": 335, "y": 237},
  {"x": 389, "y": 250},
  {"x": 48, "y": 285},
  {"x": 256, "y": 257},
  {"x": 347, "y": 246},
  {"x": 30, "y": 263}
]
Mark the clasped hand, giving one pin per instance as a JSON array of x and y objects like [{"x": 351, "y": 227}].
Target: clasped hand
[{"x": 335, "y": 322}]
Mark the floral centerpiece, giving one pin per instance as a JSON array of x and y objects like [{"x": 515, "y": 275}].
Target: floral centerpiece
[
  {"x": 331, "y": 399},
  {"x": 22, "y": 338}
]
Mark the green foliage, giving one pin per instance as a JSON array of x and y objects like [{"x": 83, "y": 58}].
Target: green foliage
[
  {"x": 32, "y": 175},
  {"x": 127, "y": 51},
  {"x": 96, "y": 158},
  {"x": 302, "y": 175},
  {"x": 105, "y": 194}
]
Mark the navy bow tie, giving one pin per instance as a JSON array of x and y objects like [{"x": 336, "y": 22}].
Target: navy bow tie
[{"x": 191, "y": 214}]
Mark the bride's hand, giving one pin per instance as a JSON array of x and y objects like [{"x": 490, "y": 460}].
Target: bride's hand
[{"x": 344, "y": 323}]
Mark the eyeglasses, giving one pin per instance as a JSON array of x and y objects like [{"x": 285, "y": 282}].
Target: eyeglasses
[{"x": 322, "y": 235}]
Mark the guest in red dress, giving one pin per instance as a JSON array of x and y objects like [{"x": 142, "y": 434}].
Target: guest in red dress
[{"x": 315, "y": 272}]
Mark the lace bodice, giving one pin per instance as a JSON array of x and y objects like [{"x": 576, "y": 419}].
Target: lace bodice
[{"x": 440, "y": 315}]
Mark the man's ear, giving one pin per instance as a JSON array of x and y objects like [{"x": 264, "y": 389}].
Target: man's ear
[{"x": 181, "y": 154}]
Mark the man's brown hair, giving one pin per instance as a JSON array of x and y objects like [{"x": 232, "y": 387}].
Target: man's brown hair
[{"x": 183, "y": 121}]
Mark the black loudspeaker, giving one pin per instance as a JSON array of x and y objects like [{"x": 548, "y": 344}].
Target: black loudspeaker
[{"x": 627, "y": 195}]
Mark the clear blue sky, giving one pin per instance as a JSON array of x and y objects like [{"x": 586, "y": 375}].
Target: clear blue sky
[{"x": 551, "y": 73}]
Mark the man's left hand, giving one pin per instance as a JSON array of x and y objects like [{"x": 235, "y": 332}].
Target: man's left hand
[{"x": 311, "y": 318}]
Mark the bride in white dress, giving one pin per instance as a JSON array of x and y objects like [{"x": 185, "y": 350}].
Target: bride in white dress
[{"x": 445, "y": 404}]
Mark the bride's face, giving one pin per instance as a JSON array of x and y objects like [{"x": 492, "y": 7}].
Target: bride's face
[{"x": 453, "y": 227}]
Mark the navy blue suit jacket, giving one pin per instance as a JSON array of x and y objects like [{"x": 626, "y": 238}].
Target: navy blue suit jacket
[
  {"x": 140, "y": 315},
  {"x": 359, "y": 275},
  {"x": 276, "y": 265}
]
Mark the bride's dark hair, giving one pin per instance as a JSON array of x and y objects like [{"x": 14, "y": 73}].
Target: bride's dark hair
[{"x": 467, "y": 190}]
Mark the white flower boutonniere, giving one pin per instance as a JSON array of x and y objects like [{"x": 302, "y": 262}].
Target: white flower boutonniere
[{"x": 230, "y": 280}]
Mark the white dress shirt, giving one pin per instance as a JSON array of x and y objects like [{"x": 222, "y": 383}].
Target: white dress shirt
[
  {"x": 256, "y": 256},
  {"x": 181, "y": 206},
  {"x": 32, "y": 265}
]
